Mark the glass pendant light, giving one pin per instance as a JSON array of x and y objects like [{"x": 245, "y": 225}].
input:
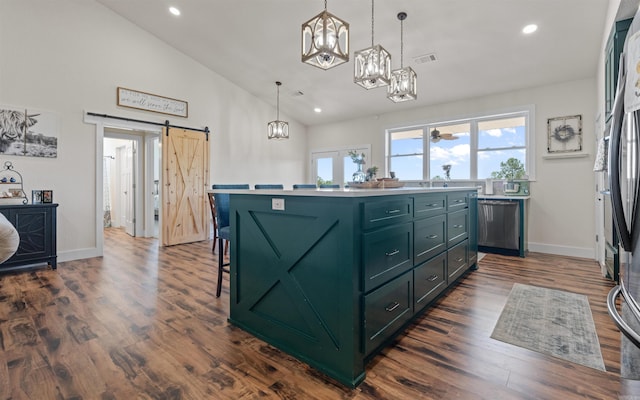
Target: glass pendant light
[
  {"x": 404, "y": 85},
  {"x": 372, "y": 66},
  {"x": 325, "y": 40},
  {"x": 278, "y": 129}
]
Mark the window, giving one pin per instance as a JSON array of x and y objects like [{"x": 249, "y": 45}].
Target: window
[
  {"x": 460, "y": 150},
  {"x": 335, "y": 165},
  {"x": 406, "y": 153},
  {"x": 499, "y": 140},
  {"x": 449, "y": 152}
]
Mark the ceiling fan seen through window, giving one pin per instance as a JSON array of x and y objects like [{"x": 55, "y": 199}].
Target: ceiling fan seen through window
[{"x": 436, "y": 135}]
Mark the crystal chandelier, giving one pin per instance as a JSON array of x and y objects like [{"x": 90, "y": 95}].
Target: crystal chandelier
[
  {"x": 325, "y": 40},
  {"x": 278, "y": 129},
  {"x": 372, "y": 66},
  {"x": 404, "y": 85}
]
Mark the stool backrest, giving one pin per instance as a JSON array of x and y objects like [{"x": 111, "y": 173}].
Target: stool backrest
[
  {"x": 305, "y": 186},
  {"x": 269, "y": 186},
  {"x": 222, "y": 202}
]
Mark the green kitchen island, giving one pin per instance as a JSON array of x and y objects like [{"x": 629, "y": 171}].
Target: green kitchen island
[{"x": 331, "y": 276}]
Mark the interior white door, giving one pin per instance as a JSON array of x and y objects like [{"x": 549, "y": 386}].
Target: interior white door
[
  {"x": 127, "y": 186},
  {"x": 325, "y": 167},
  {"x": 336, "y": 165},
  {"x": 349, "y": 167}
]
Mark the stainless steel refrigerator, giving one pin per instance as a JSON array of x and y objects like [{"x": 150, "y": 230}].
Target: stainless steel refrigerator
[{"x": 624, "y": 175}]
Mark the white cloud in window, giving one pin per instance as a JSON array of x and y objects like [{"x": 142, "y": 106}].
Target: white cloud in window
[{"x": 455, "y": 155}]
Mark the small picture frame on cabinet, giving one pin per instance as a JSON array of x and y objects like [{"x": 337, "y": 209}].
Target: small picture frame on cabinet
[
  {"x": 47, "y": 196},
  {"x": 36, "y": 196}
]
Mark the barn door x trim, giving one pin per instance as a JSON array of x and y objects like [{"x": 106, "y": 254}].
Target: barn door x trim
[{"x": 185, "y": 176}]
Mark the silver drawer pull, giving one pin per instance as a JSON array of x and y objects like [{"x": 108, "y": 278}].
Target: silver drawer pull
[
  {"x": 458, "y": 226},
  {"x": 433, "y": 205},
  {"x": 459, "y": 259},
  {"x": 432, "y": 237},
  {"x": 392, "y": 306},
  {"x": 393, "y": 253},
  {"x": 459, "y": 201},
  {"x": 392, "y": 211},
  {"x": 432, "y": 278}
]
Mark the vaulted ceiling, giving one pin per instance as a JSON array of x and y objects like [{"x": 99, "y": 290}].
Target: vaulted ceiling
[{"x": 479, "y": 47}]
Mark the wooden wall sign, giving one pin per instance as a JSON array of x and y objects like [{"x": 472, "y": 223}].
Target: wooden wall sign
[{"x": 152, "y": 102}]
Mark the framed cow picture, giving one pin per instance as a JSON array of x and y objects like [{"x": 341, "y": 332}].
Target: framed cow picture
[{"x": 28, "y": 132}]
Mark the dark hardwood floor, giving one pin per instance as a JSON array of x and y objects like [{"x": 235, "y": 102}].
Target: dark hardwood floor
[{"x": 143, "y": 322}]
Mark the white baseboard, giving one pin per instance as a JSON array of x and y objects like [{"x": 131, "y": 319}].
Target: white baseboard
[
  {"x": 78, "y": 254},
  {"x": 582, "y": 252}
]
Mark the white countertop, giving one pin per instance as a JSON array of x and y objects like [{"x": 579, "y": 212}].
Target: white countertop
[{"x": 344, "y": 192}]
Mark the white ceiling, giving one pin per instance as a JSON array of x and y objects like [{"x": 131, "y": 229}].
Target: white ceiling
[{"x": 478, "y": 43}]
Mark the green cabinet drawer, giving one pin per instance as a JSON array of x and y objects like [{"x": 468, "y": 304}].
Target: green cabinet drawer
[
  {"x": 458, "y": 261},
  {"x": 386, "y": 310},
  {"x": 377, "y": 214},
  {"x": 429, "y": 280},
  {"x": 457, "y": 226},
  {"x": 386, "y": 253},
  {"x": 429, "y": 205},
  {"x": 429, "y": 238},
  {"x": 457, "y": 201}
]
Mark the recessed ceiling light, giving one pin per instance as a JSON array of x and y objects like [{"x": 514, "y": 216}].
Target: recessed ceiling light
[
  {"x": 174, "y": 11},
  {"x": 317, "y": 109},
  {"x": 530, "y": 28}
]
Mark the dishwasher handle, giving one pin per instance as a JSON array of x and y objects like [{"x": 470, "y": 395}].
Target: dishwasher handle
[{"x": 498, "y": 202}]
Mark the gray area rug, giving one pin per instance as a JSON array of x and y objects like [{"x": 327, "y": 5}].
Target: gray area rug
[
  {"x": 552, "y": 322},
  {"x": 630, "y": 354}
]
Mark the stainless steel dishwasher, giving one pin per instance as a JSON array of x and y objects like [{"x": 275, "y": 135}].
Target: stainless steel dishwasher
[{"x": 499, "y": 225}]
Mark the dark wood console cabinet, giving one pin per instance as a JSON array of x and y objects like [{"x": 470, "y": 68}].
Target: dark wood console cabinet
[{"x": 36, "y": 225}]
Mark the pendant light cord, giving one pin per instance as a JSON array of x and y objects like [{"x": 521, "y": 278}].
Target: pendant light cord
[
  {"x": 278, "y": 102},
  {"x": 401, "y": 43},
  {"x": 371, "y": 23},
  {"x": 402, "y": 16}
]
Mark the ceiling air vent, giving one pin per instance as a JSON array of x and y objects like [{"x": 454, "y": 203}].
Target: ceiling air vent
[{"x": 425, "y": 58}]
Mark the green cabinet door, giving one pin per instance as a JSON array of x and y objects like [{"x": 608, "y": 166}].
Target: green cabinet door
[
  {"x": 386, "y": 253},
  {"x": 429, "y": 238},
  {"x": 457, "y": 226},
  {"x": 386, "y": 310},
  {"x": 614, "y": 47},
  {"x": 429, "y": 280}
]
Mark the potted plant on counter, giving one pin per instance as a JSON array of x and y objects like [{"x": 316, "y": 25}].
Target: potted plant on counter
[
  {"x": 510, "y": 170},
  {"x": 371, "y": 173}
]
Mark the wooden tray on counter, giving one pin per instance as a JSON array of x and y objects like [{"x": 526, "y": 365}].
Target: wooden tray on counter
[
  {"x": 364, "y": 185},
  {"x": 380, "y": 184}
]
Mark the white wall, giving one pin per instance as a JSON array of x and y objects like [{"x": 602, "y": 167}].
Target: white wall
[
  {"x": 69, "y": 56},
  {"x": 561, "y": 212}
]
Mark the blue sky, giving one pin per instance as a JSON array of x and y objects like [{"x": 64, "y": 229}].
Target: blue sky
[{"x": 457, "y": 153}]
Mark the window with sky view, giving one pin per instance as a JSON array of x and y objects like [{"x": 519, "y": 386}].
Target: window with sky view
[{"x": 472, "y": 148}]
